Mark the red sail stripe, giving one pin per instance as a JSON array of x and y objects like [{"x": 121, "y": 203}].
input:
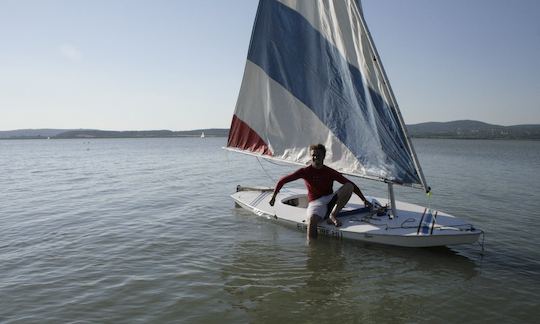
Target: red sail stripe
[{"x": 244, "y": 137}]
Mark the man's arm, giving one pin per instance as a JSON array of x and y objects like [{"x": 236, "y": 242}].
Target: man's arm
[{"x": 291, "y": 177}]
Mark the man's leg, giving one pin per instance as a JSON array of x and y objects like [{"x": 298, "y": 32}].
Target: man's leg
[
  {"x": 343, "y": 195},
  {"x": 312, "y": 226}
]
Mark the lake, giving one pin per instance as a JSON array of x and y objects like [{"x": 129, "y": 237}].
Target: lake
[{"x": 144, "y": 230}]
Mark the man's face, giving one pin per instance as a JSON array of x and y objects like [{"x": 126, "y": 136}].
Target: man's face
[{"x": 317, "y": 158}]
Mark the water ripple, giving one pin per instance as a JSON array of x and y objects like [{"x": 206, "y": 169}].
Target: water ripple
[{"x": 144, "y": 230}]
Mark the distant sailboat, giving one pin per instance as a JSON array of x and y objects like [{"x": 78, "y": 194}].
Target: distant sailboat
[
  {"x": 312, "y": 76},
  {"x": 202, "y": 135}
]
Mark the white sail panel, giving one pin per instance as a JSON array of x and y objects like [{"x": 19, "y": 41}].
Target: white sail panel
[
  {"x": 288, "y": 119},
  {"x": 323, "y": 15}
]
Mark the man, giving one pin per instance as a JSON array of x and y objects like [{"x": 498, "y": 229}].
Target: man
[{"x": 319, "y": 180}]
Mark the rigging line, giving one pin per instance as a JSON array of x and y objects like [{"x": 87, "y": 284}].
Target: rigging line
[
  {"x": 266, "y": 172},
  {"x": 408, "y": 220},
  {"x": 276, "y": 163}
]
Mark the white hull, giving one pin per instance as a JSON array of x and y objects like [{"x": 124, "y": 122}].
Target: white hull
[{"x": 414, "y": 226}]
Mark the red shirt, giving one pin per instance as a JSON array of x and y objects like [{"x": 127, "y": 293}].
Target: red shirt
[{"x": 319, "y": 182}]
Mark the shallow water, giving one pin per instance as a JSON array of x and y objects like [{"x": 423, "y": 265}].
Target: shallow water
[{"x": 144, "y": 230}]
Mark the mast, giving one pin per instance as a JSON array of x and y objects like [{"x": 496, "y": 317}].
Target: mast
[{"x": 394, "y": 106}]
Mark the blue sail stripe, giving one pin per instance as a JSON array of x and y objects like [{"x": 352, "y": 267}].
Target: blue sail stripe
[
  {"x": 310, "y": 67},
  {"x": 294, "y": 54}
]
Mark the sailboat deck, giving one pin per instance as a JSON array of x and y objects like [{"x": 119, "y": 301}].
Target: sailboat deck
[{"x": 413, "y": 226}]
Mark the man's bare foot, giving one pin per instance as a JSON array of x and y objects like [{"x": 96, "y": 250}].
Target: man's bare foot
[{"x": 334, "y": 220}]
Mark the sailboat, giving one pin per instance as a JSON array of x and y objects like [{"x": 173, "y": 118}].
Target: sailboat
[
  {"x": 313, "y": 75},
  {"x": 202, "y": 135}
]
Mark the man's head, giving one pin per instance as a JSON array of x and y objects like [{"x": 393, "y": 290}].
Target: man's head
[{"x": 318, "y": 152}]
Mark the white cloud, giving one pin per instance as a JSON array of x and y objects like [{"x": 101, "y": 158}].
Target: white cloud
[{"x": 71, "y": 53}]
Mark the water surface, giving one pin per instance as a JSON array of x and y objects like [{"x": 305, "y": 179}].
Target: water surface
[{"x": 143, "y": 230}]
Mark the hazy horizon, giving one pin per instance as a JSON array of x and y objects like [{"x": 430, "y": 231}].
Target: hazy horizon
[{"x": 205, "y": 128}]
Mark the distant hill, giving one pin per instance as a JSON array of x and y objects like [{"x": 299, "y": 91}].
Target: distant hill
[
  {"x": 459, "y": 129},
  {"x": 113, "y": 134},
  {"x": 209, "y": 132},
  {"x": 212, "y": 132},
  {"x": 31, "y": 133},
  {"x": 471, "y": 129},
  {"x": 94, "y": 133}
]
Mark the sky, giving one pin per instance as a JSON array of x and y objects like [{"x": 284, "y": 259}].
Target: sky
[{"x": 164, "y": 64}]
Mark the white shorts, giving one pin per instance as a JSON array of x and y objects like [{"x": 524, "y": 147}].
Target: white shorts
[{"x": 319, "y": 206}]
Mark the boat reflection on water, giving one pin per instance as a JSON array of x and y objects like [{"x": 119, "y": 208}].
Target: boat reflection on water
[
  {"x": 264, "y": 277},
  {"x": 329, "y": 279}
]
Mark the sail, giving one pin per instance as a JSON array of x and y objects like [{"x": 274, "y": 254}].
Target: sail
[{"x": 313, "y": 76}]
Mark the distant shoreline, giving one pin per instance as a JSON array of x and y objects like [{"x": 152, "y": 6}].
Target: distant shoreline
[
  {"x": 102, "y": 137},
  {"x": 183, "y": 137},
  {"x": 461, "y": 129}
]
